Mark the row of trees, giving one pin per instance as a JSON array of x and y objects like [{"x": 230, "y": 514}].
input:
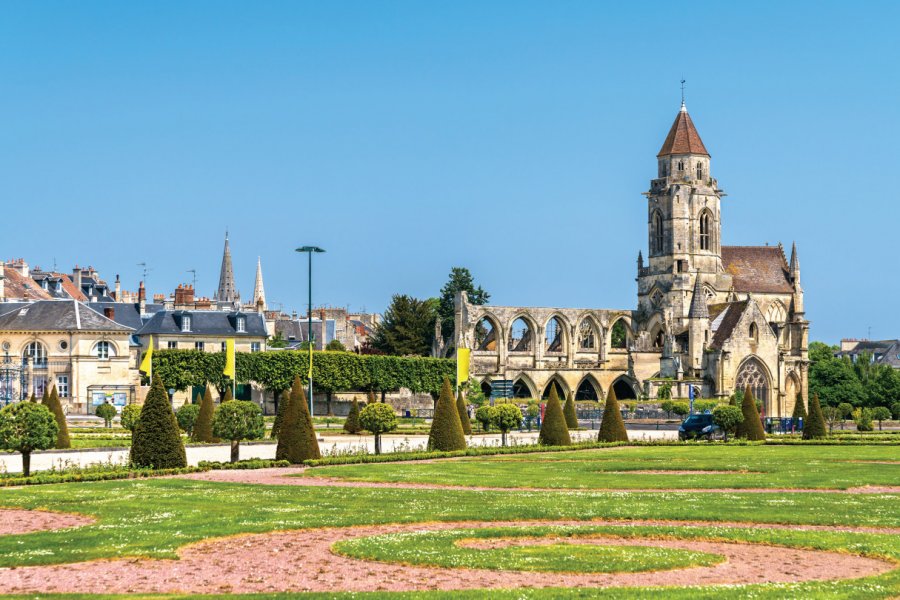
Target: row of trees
[{"x": 859, "y": 384}]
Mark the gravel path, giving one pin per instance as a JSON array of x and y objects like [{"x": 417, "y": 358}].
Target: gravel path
[
  {"x": 14, "y": 521},
  {"x": 303, "y": 561}
]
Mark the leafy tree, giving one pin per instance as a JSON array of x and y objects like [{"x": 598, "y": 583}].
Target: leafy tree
[
  {"x": 532, "y": 412},
  {"x": 506, "y": 417},
  {"x": 863, "y": 418},
  {"x": 335, "y": 345},
  {"x": 751, "y": 426},
  {"x": 460, "y": 280},
  {"x": 667, "y": 405},
  {"x": 238, "y": 420},
  {"x": 446, "y": 432},
  {"x": 463, "y": 414},
  {"x": 846, "y": 411},
  {"x": 895, "y": 409},
  {"x": 569, "y": 412},
  {"x": 203, "y": 431},
  {"x": 26, "y": 427},
  {"x": 814, "y": 427},
  {"x": 187, "y": 417},
  {"x": 833, "y": 416},
  {"x": 297, "y": 437},
  {"x": 351, "y": 423},
  {"x": 62, "y": 435},
  {"x": 664, "y": 392},
  {"x": 618, "y": 335},
  {"x": 129, "y": 417},
  {"x": 681, "y": 408},
  {"x": 378, "y": 418},
  {"x": 407, "y": 327},
  {"x": 834, "y": 379},
  {"x": 727, "y": 417},
  {"x": 881, "y": 413},
  {"x": 107, "y": 412},
  {"x": 370, "y": 398},
  {"x": 474, "y": 395},
  {"x": 612, "y": 427},
  {"x": 156, "y": 442},
  {"x": 484, "y": 416},
  {"x": 276, "y": 341},
  {"x": 553, "y": 428}
]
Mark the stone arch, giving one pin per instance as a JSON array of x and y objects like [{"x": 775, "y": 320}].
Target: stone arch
[
  {"x": 753, "y": 332},
  {"x": 754, "y": 374},
  {"x": 589, "y": 389},
  {"x": 562, "y": 390},
  {"x": 487, "y": 335},
  {"x": 791, "y": 392},
  {"x": 776, "y": 312},
  {"x": 35, "y": 352},
  {"x": 657, "y": 233},
  {"x": 522, "y": 333},
  {"x": 706, "y": 230},
  {"x": 486, "y": 387},
  {"x": 523, "y": 387},
  {"x": 625, "y": 387},
  {"x": 556, "y": 335},
  {"x": 588, "y": 331},
  {"x": 616, "y": 339}
]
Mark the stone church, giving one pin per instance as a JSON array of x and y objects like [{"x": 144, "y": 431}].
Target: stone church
[{"x": 712, "y": 317}]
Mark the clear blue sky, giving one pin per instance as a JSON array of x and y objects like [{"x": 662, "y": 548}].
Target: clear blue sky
[{"x": 514, "y": 138}]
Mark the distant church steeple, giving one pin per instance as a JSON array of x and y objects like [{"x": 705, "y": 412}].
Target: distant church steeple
[
  {"x": 259, "y": 292},
  {"x": 227, "y": 291}
]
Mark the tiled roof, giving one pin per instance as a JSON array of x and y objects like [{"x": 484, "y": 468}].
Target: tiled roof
[
  {"x": 18, "y": 287},
  {"x": 761, "y": 269},
  {"x": 57, "y": 315},
  {"x": 683, "y": 137},
  {"x": 204, "y": 322},
  {"x": 723, "y": 326}
]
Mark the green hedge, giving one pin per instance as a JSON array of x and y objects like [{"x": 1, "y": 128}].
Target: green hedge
[{"x": 332, "y": 371}]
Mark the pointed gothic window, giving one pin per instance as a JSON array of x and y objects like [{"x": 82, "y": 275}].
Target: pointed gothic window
[
  {"x": 681, "y": 165},
  {"x": 705, "y": 222},
  {"x": 656, "y": 242}
]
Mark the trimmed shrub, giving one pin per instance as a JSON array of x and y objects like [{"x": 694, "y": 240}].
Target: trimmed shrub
[
  {"x": 463, "y": 414},
  {"x": 351, "y": 423},
  {"x": 682, "y": 409},
  {"x": 237, "y": 420},
  {"x": 727, "y": 417},
  {"x": 228, "y": 396},
  {"x": 378, "y": 418},
  {"x": 612, "y": 427},
  {"x": 569, "y": 412},
  {"x": 553, "y": 428},
  {"x": 203, "y": 432},
  {"x": 107, "y": 412},
  {"x": 863, "y": 419},
  {"x": 814, "y": 427},
  {"x": 187, "y": 417},
  {"x": 799, "y": 409},
  {"x": 129, "y": 417},
  {"x": 156, "y": 442},
  {"x": 751, "y": 427},
  {"x": 283, "y": 399},
  {"x": 446, "y": 432},
  {"x": 297, "y": 437},
  {"x": 62, "y": 435},
  {"x": 506, "y": 417},
  {"x": 483, "y": 416},
  {"x": 25, "y": 427},
  {"x": 881, "y": 413}
]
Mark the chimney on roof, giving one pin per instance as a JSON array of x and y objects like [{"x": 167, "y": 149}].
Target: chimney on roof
[
  {"x": 118, "y": 289},
  {"x": 76, "y": 277},
  {"x": 184, "y": 295},
  {"x": 110, "y": 313},
  {"x": 142, "y": 299}
]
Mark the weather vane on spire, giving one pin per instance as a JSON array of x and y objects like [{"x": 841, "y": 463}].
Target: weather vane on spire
[{"x": 682, "y": 92}]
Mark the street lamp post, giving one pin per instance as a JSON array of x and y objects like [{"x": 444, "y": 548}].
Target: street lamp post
[{"x": 309, "y": 251}]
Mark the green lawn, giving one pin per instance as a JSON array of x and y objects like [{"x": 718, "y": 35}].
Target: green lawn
[
  {"x": 154, "y": 517},
  {"x": 813, "y": 467}
]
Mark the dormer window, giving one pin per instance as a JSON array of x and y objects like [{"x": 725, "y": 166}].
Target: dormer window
[
  {"x": 185, "y": 323},
  {"x": 241, "y": 325}
]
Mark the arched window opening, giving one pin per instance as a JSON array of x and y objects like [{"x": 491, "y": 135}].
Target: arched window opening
[
  {"x": 554, "y": 336},
  {"x": 623, "y": 390},
  {"x": 776, "y": 312},
  {"x": 705, "y": 227},
  {"x": 587, "y": 335},
  {"x": 681, "y": 165},
  {"x": 559, "y": 391},
  {"x": 587, "y": 391},
  {"x": 104, "y": 350},
  {"x": 521, "y": 337},
  {"x": 618, "y": 337},
  {"x": 659, "y": 339},
  {"x": 753, "y": 375},
  {"x": 36, "y": 354},
  {"x": 754, "y": 332},
  {"x": 521, "y": 389},
  {"x": 486, "y": 388},
  {"x": 656, "y": 239},
  {"x": 485, "y": 335}
]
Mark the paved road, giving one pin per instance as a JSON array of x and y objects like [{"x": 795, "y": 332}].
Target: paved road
[{"x": 330, "y": 444}]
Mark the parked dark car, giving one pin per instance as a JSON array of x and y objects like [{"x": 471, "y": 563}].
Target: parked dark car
[{"x": 693, "y": 427}]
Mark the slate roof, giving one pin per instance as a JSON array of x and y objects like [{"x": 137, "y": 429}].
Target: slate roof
[
  {"x": 683, "y": 137},
  {"x": 57, "y": 315},
  {"x": 17, "y": 286},
  {"x": 699, "y": 309},
  {"x": 68, "y": 289},
  {"x": 723, "y": 325},
  {"x": 761, "y": 269},
  {"x": 128, "y": 315},
  {"x": 885, "y": 352},
  {"x": 204, "y": 322}
]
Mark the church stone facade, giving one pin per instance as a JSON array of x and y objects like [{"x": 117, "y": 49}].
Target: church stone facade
[{"x": 712, "y": 317}]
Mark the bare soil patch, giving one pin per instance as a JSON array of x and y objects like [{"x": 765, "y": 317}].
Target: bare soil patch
[
  {"x": 16, "y": 521},
  {"x": 303, "y": 561}
]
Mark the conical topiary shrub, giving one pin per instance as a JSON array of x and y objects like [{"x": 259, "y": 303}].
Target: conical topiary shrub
[
  {"x": 463, "y": 414},
  {"x": 351, "y": 424},
  {"x": 446, "y": 432},
  {"x": 569, "y": 412},
  {"x": 752, "y": 426},
  {"x": 228, "y": 395},
  {"x": 297, "y": 437},
  {"x": 203, "y": 427},
  {"x": 814, "y": 427},
  {"x": 612, "y": 427},
  {"x": 156, "y": 441},
  {"x": 52, "y": 402},
  {"x": 799, "y": 412},
  {"x": 553, "y": 428},
  {"x": 283, "y": 399}
]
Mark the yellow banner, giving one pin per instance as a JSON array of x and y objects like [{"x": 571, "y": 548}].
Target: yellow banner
[
  {"x": 147, "y": 361},
  {"x": 229, "y": 359},
  {"x": 462, "y": 365}
]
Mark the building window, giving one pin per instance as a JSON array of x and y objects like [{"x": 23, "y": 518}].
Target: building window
[
  {"x": 656, "y": 241},
  {"x": 241, "y": 325},
  {"x": 704, "y": 231},
  {"x": 62, "y": 386},
  {"x": 224, "y": 346},
  {"x": 102, "y": 350},
  {"x": 36, "y": 354},
  {"x": 699, "y": 170},
  {"x": 754, "y": 332},
  {"x": 199, "y": 346},
  {"x": 172, "y": 345},
  {"x": 254, "y": 347},
  {"x": 186, "y": 323},
  {"x": 681, "y": 165}
]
